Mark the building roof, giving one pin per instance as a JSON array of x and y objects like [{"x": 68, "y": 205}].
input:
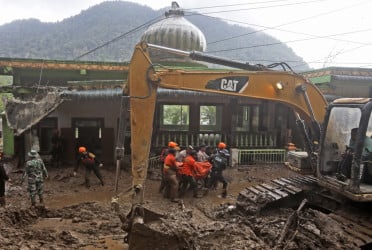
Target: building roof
[
  {"x": 62, "y": 64},
  {"x": 39, "y": 72},
  {"x": 343, "y": 74}
]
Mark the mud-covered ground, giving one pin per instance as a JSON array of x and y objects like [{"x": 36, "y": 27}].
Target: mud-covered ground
[{"x": 79, "y": 218}]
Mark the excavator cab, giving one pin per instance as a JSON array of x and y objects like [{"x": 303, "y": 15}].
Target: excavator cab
[{"x": 345, "y": 156}]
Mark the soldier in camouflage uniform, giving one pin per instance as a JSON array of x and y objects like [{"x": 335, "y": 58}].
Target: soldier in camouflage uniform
[
  {"x": 3, "y": 177},
  {"x": 36, "y": 172}
]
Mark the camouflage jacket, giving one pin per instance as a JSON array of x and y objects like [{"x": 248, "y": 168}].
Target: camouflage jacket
[{"x": 35, "y": 169}]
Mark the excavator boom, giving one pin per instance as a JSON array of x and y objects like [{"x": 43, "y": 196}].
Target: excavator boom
[{"x": 145, "y": 78}]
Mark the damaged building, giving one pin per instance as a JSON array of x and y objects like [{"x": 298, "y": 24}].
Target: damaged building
[
  {"x": 73, "y": 97},
  {"x": 82, "y": 100}
]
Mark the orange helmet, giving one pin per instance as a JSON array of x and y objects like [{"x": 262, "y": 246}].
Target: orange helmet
[
  {"x": 221, "y": 145},
  {"x": 82, "y": 150},
  {"x": 172, "y": 144}
]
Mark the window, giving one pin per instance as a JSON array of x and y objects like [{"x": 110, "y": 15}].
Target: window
[
  {"x": 210, "y": 118},
  {"x": 248, "y": 118},
  {"x": 6, "y": 79},
  {"x": 88, "y": 133},
  {"x": 83, "y": 123},
  {"x": 175, "y": 117}
]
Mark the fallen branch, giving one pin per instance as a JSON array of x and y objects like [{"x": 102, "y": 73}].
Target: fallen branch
[
  {"x": 293, "y": 217},
  {"x": 292, "y": 238}
]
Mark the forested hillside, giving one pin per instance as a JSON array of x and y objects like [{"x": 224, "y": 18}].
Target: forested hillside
[{"x": 101, "y": 23}]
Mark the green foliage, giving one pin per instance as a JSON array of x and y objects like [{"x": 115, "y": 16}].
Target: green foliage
[
  {"x": 175, "y": 114},
  {"x": 5, "y": 80},
  {"x": 2, "y": 97},
  {"x": 208, "y": 115}
]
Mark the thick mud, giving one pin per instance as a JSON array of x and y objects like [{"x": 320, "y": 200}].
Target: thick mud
[{"x": 79, "y": 218}]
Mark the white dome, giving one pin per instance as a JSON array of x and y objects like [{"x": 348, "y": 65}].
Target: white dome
[{"x": 175, "y": 32}]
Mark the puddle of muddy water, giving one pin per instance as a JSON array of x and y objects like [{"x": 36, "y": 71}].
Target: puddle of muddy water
[
  {"x": 110, "y": 244},
  {"x": 53, "y": 223},
  {"x": 114, "y": 242},
  {"x": 79, "y": 197}
]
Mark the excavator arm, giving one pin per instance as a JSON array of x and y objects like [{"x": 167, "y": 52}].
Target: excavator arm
[{"x": 255, "y": 82}]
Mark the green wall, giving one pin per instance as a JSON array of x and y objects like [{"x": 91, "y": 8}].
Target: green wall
[{"x": 8, "y": 138}]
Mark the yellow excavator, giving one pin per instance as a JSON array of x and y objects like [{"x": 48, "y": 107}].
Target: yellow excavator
[{"x": 327, "y": 124}]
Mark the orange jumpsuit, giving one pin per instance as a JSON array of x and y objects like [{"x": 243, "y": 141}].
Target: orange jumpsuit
[
  {"x": 170, "y": 175},
  {"x": 187, "y": 175}
]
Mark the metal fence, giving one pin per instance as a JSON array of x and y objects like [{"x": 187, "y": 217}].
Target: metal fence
[
  {"x": 245, "y": 157},
  {"x": 263, "y": 156},
  {"x": 154, "y": 162},
  {"x": 234, "y": 140},
  {"x": 161, "y": 139}
]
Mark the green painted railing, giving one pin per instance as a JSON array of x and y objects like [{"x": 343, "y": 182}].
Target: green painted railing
[
  {"x": 235, "y": 140},
  {"x": 263, "y": 156}
]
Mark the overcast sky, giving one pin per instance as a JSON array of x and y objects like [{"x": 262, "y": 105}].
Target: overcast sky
[{"x": 323, "y": 32}]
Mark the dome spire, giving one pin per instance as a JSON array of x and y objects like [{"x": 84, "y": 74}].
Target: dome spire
[{"x": 175, "y": 10}]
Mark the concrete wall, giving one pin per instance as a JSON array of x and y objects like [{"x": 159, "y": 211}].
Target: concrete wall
[{"x": 104, "y": 108}]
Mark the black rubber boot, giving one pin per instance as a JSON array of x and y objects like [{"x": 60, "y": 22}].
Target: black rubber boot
[
  {"x": 224, "y": 193},
  {"x": 2, "y": 201},
  {"x": 41, "y": 201}
]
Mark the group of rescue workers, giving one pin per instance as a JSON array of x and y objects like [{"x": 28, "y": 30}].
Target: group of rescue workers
[
  {"x": 190, "y": 169},
  {"x": 181, "y": 171}
]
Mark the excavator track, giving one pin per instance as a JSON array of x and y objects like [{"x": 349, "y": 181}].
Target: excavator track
[
  {"x": 360, "y": 230},
  {"x": 253, "y": 199},
  {"x": 352, "y": 218}
]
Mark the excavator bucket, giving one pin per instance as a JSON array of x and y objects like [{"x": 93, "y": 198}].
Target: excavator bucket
[{"x": 151, "y": 231}]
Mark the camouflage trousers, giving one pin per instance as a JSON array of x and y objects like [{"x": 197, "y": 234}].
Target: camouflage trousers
[{"x": 35, "y": 188}]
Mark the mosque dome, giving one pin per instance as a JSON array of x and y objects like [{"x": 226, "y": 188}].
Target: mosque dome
[{"x": 176, "y": 32}]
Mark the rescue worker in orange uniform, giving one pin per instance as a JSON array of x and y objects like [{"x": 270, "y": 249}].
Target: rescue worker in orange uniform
[
  {"x": 163, "y": 155},
  {"x": 170, "y": 170},
  {"x": 90, "y": 162},
  {"x": 187, "y": 174},
  {"x": 219, "y": 163},
  {"x": 183, "y": 153}
]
